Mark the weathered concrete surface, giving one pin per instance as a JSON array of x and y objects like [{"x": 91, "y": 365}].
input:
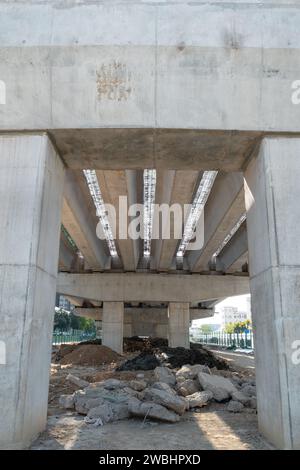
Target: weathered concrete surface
[
  {"x": 114, "y": 184},
  {"x": 31, "y": 186},
  {"x": 167, "y": 73},
  {"x": 182, "y": 187},
  {"x": 272, "y": 201},
  {"x": 112, "y": 325},
  {"x": 144, "y": 321},
  {"x": 132, "y": 95},
  {"x": 235, "y": 252},
  {"x": 143, "y": 287},
  {"x": 179, "y": 324},
  {"x": 223, "y": 209},
  {"x": 79, "y": 218}
]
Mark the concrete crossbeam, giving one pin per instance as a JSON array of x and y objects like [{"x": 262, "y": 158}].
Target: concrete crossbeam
[
  {"x": 154, "y": 315},
  {"x": 143, "y": 287},
  {"x": 168, "y": 77}
]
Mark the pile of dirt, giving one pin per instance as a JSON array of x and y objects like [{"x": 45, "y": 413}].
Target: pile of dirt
[
  {"x": 88, "y": 355},
  {"x": 173, "y": 358},
  {"x": 136, "y": 343}
]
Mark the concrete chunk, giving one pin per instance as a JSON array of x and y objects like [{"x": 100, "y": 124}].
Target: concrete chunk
[
  {"x": 221, "y": 387},
  {"x": 164, "y": 374},
  {"x": 80, "y": 383},
  {"x": 151, "y": 410},
  {"x": 169, "y": 400},
  {"x": 199, "y": 399}
]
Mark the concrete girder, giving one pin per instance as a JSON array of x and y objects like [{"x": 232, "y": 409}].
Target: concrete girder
[
  {"x": 141, "y": 287},
  {"x": 135, "y": 184},
  {"x": 113, "y": 184},
  {"x": 234, "y": 254},
  {"x": 67, "y": 254},
  {"x": 175, "y": 187},
  {"x": 79, "y": 219},
  {"x": 223, "y": 209}
]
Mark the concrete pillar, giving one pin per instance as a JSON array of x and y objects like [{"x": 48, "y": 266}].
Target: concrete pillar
[
  {"x": 272, "y": 195},
  {"x": 179, "y": 323},
  {"x": 112, "y": 325},
  {"x": 31, "y": 186}
]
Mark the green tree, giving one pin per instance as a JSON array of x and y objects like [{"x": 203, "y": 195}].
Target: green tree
[
  {"x": 238, "y": 327},
  {"x": 61, "y": 320},
  {"x": 206, "y": 329}
]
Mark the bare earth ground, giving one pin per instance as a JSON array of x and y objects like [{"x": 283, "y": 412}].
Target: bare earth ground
[{"x": 211, "y": 428}]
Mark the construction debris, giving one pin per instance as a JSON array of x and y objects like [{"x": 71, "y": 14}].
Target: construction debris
[
  {"x": 165, "y": 400},
  {"x": 80, "y": 383}
]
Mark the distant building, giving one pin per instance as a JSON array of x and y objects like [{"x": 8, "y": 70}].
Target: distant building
[
  {"x": 62, "y": 302},
  {"x": 233, "y": 315}
]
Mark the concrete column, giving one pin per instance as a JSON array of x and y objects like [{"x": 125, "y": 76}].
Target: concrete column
[
  {"x": 272, "y": 195},
  {"x": 31, "y": 186},
  {"x": 112, "y": 325},
  {"x": 179, "y": 323}
]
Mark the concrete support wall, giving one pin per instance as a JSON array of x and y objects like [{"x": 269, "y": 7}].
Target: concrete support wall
[
  {"x": 272, "y": 201},
  {"x": 112, "y": 325},
  {"x": 31, "y": 185},
  {"x": 179, "y": 322}
]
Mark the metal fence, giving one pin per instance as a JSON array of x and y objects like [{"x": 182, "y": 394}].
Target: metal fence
[
  {"x": 230, "y": 340},
  {"x": 71, "y": 336}
]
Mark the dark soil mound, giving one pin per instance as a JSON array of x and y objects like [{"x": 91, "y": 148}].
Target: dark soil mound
[
  {"x": 174, "y": 358},
  {"x": 135, "y": 343},
  {"x": 144, "y": 361}
]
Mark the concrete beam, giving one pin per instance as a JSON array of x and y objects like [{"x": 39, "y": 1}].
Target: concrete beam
[
  {"x": 167, "y": 77},
  {"x": 143, "y": 287},
  {"x": 223, "y": 209},
  {"x": 234, "y": 253},
  {"x": 112, "y": 185},
  {"x": 79, "y": 219},
  {"x": 66, "y": 254},
  {"x": 134, "y": 181},
  {"x": 143, "y": 313},
  {"x": 178, "y": 188}
]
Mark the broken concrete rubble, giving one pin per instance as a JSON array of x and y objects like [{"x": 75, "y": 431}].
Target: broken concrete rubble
[
  {"x": 188, "y": 387},
  {"x": 67, "y": 402},
  {"x": 80, "y": 383},
  {"x": 164, "y": 398},
  {"x": 221, "y": 387},
  {"x": 164, "y": 374},
  {"x": 199, "y": 399},
  {"x": 152, "y": 410},
  {"x": 235, "y": 406}
]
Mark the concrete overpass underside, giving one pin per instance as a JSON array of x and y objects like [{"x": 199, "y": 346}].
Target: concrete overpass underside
[{"x": 184, "y": 103}]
